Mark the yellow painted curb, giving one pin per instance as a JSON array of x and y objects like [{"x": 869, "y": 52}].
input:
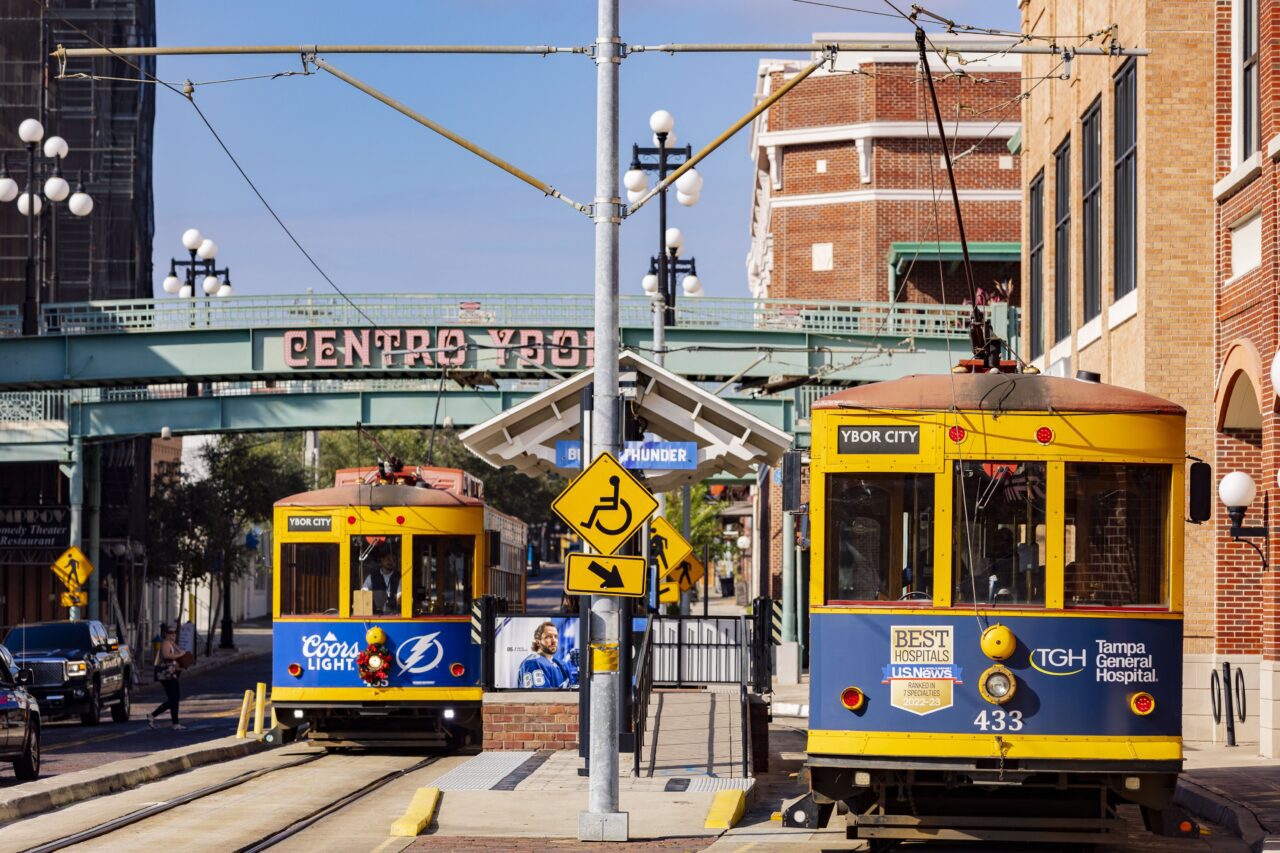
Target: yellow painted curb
[
  {"x": 726, "y": 810},
  {"x": 419, "y": 814}
]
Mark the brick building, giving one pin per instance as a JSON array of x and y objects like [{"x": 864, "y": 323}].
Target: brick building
[
  {"x": 1116, "y": 171},
  {"x": 848, "y": 167},
  {"x": 1245, "y": 145}
]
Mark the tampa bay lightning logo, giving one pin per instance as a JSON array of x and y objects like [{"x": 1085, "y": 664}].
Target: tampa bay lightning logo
[{"x": 415, "y": 655}]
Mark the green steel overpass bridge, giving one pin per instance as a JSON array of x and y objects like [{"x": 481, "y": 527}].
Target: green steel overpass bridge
[{"x": 113, "y": 369}]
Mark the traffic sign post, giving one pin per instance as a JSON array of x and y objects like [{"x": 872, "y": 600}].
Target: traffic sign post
[
  {"x": 606, "y": 504},
  {"x": 595, "y": 574}
]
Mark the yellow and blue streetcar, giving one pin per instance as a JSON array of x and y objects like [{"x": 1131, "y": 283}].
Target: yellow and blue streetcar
[{"x": 996, "y": 607}]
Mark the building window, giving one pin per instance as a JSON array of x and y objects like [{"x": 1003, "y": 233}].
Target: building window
[
  {"x": 823, "y": 257},
  {"x": 1250, "y": 102},
  {"x": 1091, "y": 195},
  {"x": 1246, "y": 246},
  {"x": 1062, "y": 242},
  {"x": 1035, "y": 272},
  {"x": 1126, "y": 180}
]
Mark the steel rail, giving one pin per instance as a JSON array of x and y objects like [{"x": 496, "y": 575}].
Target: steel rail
[
  {"x": 159, "y": 808},
  {"x": 337, "y": 805}
]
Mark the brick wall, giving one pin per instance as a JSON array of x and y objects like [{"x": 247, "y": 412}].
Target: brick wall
[{"x": 524, "y": 720}]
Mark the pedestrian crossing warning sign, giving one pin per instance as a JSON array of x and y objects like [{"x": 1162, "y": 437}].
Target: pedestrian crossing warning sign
[
  {"x": 667, "y": 548},
  {"x": 606, "y": 504},
  {"x": 72, "y": 568},
  {"x": 687, "y": 574},
  {"x": 668, "y": 592}
]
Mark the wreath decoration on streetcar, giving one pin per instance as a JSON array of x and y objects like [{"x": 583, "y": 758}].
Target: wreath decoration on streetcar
[{"x": 374, "y": 662}]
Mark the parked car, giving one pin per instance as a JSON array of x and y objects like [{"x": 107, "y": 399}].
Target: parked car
[
  {"x": 76, "y": 668},
  {"x": 19, "y": 720}
]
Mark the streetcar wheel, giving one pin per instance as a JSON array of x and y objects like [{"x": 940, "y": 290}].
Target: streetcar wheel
[
  {"x": 93, "y": 714},
  {"x": 27, "y": 768},
  {"x": 120, "y": 712}
]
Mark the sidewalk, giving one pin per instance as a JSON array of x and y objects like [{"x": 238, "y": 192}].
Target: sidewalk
[
  {"x": 1235, "y": 788},
  {"x": 252, "y": 639}
]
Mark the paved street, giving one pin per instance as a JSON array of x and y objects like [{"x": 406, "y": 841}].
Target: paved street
[{"x": 210, "y": 708}]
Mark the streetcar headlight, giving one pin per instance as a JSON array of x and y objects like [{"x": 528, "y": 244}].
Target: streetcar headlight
[
  {"x": 997, "y": 685},
  {"x": 853, "y": 698},
  {"x": 1142, "y": 703},
  {"x": 297, "y": 713},
  {"x": 448, "y": 713}
]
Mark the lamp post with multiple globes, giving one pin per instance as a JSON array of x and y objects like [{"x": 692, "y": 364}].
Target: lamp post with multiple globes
[{"x": 56, "y": 189}]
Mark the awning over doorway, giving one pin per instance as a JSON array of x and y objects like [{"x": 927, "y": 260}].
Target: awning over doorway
[
  {"x": 901, "y": 254},
  {"x": 728, "y": 438}
]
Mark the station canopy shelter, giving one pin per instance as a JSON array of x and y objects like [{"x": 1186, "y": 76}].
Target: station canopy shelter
[{"x": 728, "y": 439}]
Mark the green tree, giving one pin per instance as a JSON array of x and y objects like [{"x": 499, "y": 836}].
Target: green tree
[{"x": 705, "y": 528}]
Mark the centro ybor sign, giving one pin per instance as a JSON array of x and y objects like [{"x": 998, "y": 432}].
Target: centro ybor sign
[{"x": 437, "y": 347}]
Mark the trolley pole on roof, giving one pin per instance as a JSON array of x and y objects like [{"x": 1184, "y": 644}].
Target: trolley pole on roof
[{"x": 602, "y": 821}]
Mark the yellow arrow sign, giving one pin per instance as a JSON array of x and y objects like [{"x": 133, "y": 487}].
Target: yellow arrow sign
[
  {"x": 596, "y": 574},
  {"x": 75, "y": 599},
  {"x": 668, "y": 592},
  {"x": 72, "y": 568},
  {"x": 687, "y": 574},
  {"x": 667, "y": 548},
  {"x": 606, "y": 504}
]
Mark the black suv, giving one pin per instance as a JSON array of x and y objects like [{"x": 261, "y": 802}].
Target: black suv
[
  {"x": 19, "y": 720},
  {"x": 75, "y": 668}
]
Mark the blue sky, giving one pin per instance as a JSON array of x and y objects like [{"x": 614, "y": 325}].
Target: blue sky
[{"x": 387, "y": 206}]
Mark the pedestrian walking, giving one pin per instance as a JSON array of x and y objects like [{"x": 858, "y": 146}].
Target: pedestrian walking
[{"x": 168, "y": 669}]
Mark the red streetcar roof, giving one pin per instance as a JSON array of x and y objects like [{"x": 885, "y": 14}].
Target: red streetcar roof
[{"x": 1005, "y": 392}]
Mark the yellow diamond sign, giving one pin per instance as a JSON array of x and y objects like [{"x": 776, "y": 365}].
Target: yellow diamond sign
[
  {"x": 667, "y": 548},
  {"x": 605, "y": 504},
  {"x": 687, "y": 574},
  {"x": 72, "y": 568}
]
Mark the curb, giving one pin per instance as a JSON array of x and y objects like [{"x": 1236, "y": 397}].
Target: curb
[
  {"x": 1209, "y": 806},
  {"x": 58, "y": 791}
]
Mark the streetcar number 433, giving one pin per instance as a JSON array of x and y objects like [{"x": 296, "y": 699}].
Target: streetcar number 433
[{"x": 998, "y": 720}]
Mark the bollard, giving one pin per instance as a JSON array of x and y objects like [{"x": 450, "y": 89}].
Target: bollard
[
  {"x": 243, "y": 727},
  {"x": 259, "y": 702}
]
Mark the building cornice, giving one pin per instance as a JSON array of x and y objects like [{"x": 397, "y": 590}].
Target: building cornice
[
  {"x": 884, "y": 130},
  {"x": 856, "y": 196}
]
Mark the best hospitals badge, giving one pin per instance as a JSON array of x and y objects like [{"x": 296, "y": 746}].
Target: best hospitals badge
[{"x": 922, "y": 672}]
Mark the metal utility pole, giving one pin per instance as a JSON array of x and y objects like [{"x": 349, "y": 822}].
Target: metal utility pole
[{"x": 602, "y": 821}]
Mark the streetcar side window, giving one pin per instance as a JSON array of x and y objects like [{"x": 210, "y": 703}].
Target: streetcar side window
[
  {"x": 999, "y": 533},
  {"x": 375, "y": 576},
  {"x": 1116, "y": 533},
  {"x": 879, "y": 542},
  {"x": 309, "y": 578},
  {"x": 442, "y": 575}
]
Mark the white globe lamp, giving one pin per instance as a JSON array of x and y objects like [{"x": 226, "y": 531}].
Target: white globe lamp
[
  {"x": 30, "y": 131},
  {"x": 225, "y": 290},
  {"x": 192, "y": 238},
  {"x": 1237, "y": 489},
  {"x": 207, "y": 251},
  {"x": 56, "y": 147},
  {"x": 692, "y": 286},
  {"x": 635, "y": 180},
  {"x": 171, "y": 284},
  {"x": 744, "y": 542},
  {"x": 674, "y": 239},
  {"x": 662, "y": 122},
  {"x": 211, "y": 284},
  {"x": 634, "y": 196},
  {"x": 8, "y": 188},
  {"x": 57, "y": 188},
  {"x": 690, "y": 182},
  {"x": 185, "y": 291},
  {"x": 650, "y": 284},
  {"x": 687, "y": 199},
  {"x": 81, "y": 204},
  {"x": 27, "y": 202}
]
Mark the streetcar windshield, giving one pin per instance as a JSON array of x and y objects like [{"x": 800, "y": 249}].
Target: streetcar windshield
[
  {"x": 998, "y": 548},
  {"x": 1117, "y": 522},
  {"x": 375, "y": 575},
  {"x": 442, "y": 575},
  {"x": 880, "y": 537}
]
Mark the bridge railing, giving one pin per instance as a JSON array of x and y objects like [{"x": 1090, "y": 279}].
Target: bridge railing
[{"x": 882, "y": 319}]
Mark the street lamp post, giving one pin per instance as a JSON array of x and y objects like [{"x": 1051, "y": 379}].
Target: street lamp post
[
  {"x": 203, "y": 251},
  {"x": 30, "y": 205}
]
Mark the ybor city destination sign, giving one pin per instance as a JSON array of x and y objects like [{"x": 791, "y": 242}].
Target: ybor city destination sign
[{"x": 427, "y": 347}]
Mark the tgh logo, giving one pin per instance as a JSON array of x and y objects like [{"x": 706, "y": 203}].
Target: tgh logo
[{"x": 415, "y": 655}]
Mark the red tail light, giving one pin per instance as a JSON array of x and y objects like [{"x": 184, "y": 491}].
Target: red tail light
[
  {"x": 457, "y": 670},
  {"x": 295, "y": 670},
  {"x": 853, "y": 698},
  {"x": 1142, "y": 704}
]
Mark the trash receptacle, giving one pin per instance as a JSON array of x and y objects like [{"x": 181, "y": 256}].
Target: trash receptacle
[{"x": 726, "y": 586}]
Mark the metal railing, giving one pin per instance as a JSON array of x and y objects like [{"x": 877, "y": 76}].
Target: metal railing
[
  {"x": 696, "y": 650},
  {"x": 744, "y": 697},
  {"x": 890, "y": 321},
  {"x": 28, "y": 406},
  {"x": 641, "y": 688}
]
